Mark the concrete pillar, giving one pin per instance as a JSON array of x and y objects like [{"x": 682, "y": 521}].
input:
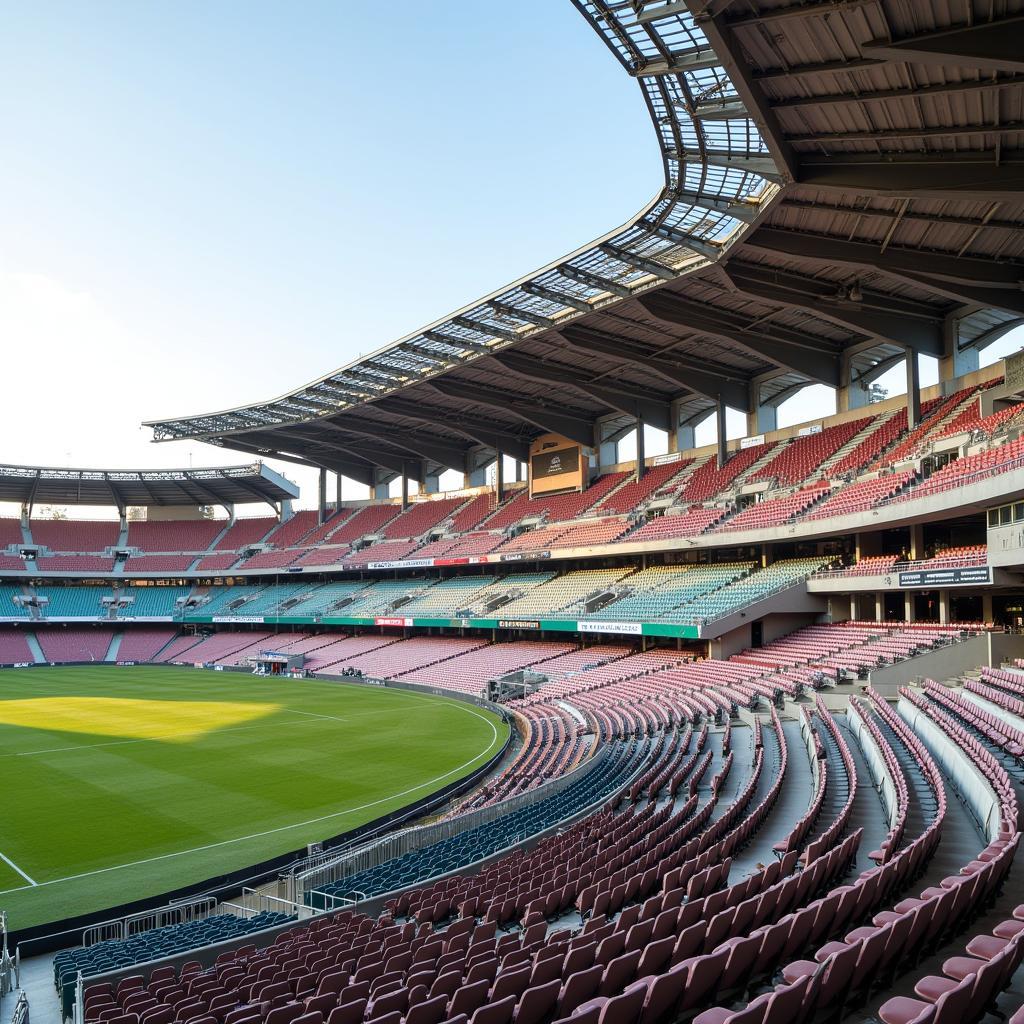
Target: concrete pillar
[
  {"x": 879, "y": 607},
  {"x": 519, "y": 472},
  {"x": 850, "y": 395},
  {"x": 431, "y": 483},
  {"x": 499, "y": 477},
  {"x": 684, "y": 439},
  {"x": 286, "y": 510},
  {"x": 908, "y": 606},
  {"x": 321, "y": 496},
  {"x": 853, "y": 607},
  {"x": 380, "y": 484},
  {"x": 640, "y": 447},
  {"x": 337, "y": 492},
  {"x": 955, "y": 362},
  {"x": 405, "y": 487},
  {"x": 720, "y": 425},
  {"x": 943, "y": 606},
  {"x": 916, "y": 541},
  {"x": 913, "y": 390},
  {"x": 762, "y": 418},
  {"x": 987, "y": 613},
  {"x": 476, "y": 469}
]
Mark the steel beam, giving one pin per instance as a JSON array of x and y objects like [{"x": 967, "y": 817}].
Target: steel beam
[
  {"x": 964, "y": 175},
  {"x": 991, "y": 46},
  {"x": 968, "y": 279},
  {"x": 726, "y": 44},
  {"x": 552, "y": 295},
  {"x": 648, "y": 266},
  {"x": 558, "y": 421},
  {"x": 700, "y": 382},
  {"x": 886, "y": 318},
  {"x": 779, "y": 345},
  {"x": 414, "y": 444},
  {"x": 594, "y": 281},
  {"x": 486, "y": 433},
  {"x": 616, "y": 396},
  {"x": 912, "y": 92}
]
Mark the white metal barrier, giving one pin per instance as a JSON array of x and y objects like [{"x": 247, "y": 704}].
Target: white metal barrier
[{"x": 125, "y": 927}]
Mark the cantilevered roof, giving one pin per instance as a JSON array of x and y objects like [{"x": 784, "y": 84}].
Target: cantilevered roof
[
  {"x": 231, "y": 485},
  {"x": 843, "y": 180}
]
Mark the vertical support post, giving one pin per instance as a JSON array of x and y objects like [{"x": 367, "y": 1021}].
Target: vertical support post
[
  {"x": 913, "y": 390},
  {"x": 723, "y": 451},
  {"x": 955, "y": 362},
  {"x": 943, "y": 606},
  {"x": 879, "y": 606},
  {"x": 405, "y": 486},
  {"x": 499, "y": 477},
  {"x": 987, "y": 613},
  {"x": 908, "y": 606},
  {"x": 337, "y": 492},
  {"x": 321, "y": 496},
  {"x": 641, "y": 453}
]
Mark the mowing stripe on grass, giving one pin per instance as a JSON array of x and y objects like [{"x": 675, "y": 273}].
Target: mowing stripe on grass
[
  {"x": 283, "y": 828},
  {"x": 28, "y": 878}
]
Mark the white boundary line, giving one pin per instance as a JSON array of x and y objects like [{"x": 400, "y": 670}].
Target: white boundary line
[
  {"x": 272, "y": 831},
  {"x": 31, "y": 881}
]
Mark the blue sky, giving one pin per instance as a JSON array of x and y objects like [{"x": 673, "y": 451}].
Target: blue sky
[{"x": 203, "y": 205}]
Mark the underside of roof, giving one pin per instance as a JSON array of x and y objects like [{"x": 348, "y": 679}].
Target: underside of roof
[
  {"x": 844, "y": 182},
  {"x": 229, "y": 485}
]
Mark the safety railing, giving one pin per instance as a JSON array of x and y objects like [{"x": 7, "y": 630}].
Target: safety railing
[
  {"x": 399, "y": 843},
  {"x": 131, "y": 924}
]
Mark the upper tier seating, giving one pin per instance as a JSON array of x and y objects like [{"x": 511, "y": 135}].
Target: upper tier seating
[
  {"x": 632, "y": 495},
  {"x": 384, "y": 551},
  {"x": 76, "y": 535},
  {"x": 872, "y": 446},
  {"x": 246, "y": 531},
  {"x": 174, "y": 534},
  {"x": 932, "y": 412},
  {"x": 421, "y": 517},
  {"x": 969, "y": 469},
  {"x": 774, "y": 512},
  {"x": 708, "y": 480},
  {"x": 561, "y": 593},
  {"x": 74, "y": 563},
  {"x": 369, "y": 519},
  {"x": 860, "y": 496},
  {"x": 291, "y": 532},
  {"x": 802, "y": 456},
  {"x": 10, "y": 532},
  {"x": 554, "y": 508},
  {"x": 688, "y": 524}
]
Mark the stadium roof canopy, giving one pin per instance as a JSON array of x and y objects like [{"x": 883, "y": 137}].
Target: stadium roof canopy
[
  {"x": 843, "y": 181},
  {"x": 228, "y": 485}
]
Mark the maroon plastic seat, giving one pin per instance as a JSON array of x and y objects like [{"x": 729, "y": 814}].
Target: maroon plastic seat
[{"x": 950, "y": 1008}]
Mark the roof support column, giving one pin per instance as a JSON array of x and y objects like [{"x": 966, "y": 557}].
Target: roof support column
[
  {"x": 913, "y": 390},
  {"x": 955, "y": 362},
  {"x": 476, "y": 469},
  {"x": 337, "y": 491},
  {"x": 762, "y": 417},
  {"x": 851, "y": 394},
  {"x": 431, "y": 481},
  {"x": 723, "y": 451},
  {"x": 641, "y": 453},
  {"x": 499, "y": 477},
  {"x": 405, "y": 487},
  {"x": 321, "y": 496},
  {"x": 381, "y": 480}
]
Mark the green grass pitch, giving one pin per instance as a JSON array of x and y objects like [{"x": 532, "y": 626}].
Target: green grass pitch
[{"x": 123, "y": 783}]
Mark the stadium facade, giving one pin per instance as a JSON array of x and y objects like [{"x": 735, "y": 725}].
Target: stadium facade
[{"x": 738, "y": 793}]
